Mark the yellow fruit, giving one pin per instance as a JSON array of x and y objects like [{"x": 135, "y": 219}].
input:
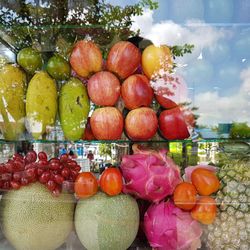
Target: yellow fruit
[
  {"x": 156, "y": 60},
  {"x": 12, "y": 106},
  {"x": 41, "y": 104}
]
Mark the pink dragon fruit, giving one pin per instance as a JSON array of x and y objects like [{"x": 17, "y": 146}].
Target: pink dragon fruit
[
  {"x": 170, "y": 228},
  {"x": 149, "y": 175}
]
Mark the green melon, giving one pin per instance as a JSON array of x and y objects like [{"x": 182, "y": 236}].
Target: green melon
[
  {"x": 104, "y": 222},
  {"x": 32, "y": 219}
]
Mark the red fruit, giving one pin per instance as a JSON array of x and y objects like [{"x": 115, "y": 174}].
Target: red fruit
[
  {"x": 74, "y": 174},
  {"x": 44, "y": 177},
  {"x": 111, "y": 181},
  {"x": 136, "y": 92},
  {"x": 86, "y": 185},
  {"x": 6, "y": 185},
  {"x": 30, "y": 173},
  {"x": 88, "y": 134},
  {"x": 77, "y": 168},
  {"x": 141, "y": 124},
  {"x": 57, "y": 190},
  {"x": 172, "y": 124},
  {"x": 55, "y": 159},
  {"x": 64, "y": 158},
  {"x": 51, "y": 185},
  {"x": 9, "y": 167},
  {"x": 6, "y": 176},
  {"x": 17, "y": 176},
  {"x": 39, "y": 171},
  {"x": 17, "y": 156},
  {"x": 2, "y": 169},
  {"x": 170, "y": 91},
  {"x": 71, "y": 164},
  {"x": 107, "y": 123},
  {"x": 43, "y": 163},
  {"x": 86, "y": 58},
  {"x": 42, "y": 156},
  {"x": 31, "y": 156},
  {"x": 19, "y": 165},
  {"x": 15, "y": 185},
  {"x": 65, "y": 172},
  {"x": 58, "y": 179},
  {"x": 123, "y": 59},
  {"x": 104, "y": 88},
  {"x": 54, "y": 165},
  {"x": 24, "y": 181}
]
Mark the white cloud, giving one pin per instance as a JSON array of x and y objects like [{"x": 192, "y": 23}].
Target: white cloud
[
  {"x": 214, "y": 109},
  {"x": 167, "y": 32}
]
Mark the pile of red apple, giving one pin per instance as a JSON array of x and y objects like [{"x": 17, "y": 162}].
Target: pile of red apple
[
  {"x": 55, "y": 174},
  {"x": 131, "y": 75}
]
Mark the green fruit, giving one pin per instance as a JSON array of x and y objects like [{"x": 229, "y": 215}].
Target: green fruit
[
  {"x": 73, "y": 109},
  {"x": 32, "y": 219},
  {"x": 12, "y": 106},
  {"x": 58, "y": 68},
  {"x": 107, "y": 222},
  {"x": 41, "y": 104},
  {"x": 30, "y": 59}
]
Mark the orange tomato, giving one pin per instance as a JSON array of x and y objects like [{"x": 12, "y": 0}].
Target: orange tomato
[
  {"x": 111, "y": 181},
  {"x": 156, "y": 59},
  {"x": 205, "y": 210},
  {"x": 205, "y": 181},
  {"x": 86, "y": 185},
  {"x": 185, "y": 196}
]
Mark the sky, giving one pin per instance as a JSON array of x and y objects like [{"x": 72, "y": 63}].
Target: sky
[{"x": 218, "y": 71}]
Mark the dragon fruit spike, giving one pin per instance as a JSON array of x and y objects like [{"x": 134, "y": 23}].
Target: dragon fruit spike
[{"x": 149, "y": 176}]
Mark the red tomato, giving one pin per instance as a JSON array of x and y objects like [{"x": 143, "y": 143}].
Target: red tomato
[
  {"x": 85, "y": 185},
  {"x": 205, "y": 210},
  {"x": 205, "y": 181},
  {"x": 185, "y": 196},
  {"x": 111, "y": 181}
]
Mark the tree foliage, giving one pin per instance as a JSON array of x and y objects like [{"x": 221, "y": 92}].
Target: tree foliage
[{"x": 240, "y": 130}]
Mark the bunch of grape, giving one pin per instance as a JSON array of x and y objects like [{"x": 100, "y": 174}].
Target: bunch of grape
[{"x": 56, "y": 174}]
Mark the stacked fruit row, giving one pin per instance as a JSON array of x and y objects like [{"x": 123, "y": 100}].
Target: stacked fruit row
[
  {"x": 128, "y": 78},
  {"x": 169, "y": 218}
]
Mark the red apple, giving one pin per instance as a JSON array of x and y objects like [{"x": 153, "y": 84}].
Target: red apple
[
  {"x": 136, "y": 92},
  {"x": 104, "y": 88},
  {"x": 141, "y": 124},
  {"x": 88, "y": 134},
  {"x": 86, "y": 58},
  {"x": 170, "y": 91},
  {"x": 107, "y": 123},
  {"x": 172, "y": 124},
  {"x": 123, "y": 59}
]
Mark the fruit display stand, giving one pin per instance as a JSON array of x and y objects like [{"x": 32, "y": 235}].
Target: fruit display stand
[{"x": 115, "y": 136}]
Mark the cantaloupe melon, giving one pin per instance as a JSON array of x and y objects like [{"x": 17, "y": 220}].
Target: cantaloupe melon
[
  {"x": 107, "y": 222},
  {"x": 32, "y": 219}
]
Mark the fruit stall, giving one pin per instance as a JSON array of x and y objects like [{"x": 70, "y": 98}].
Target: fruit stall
[{"x": 124, "y": 125}]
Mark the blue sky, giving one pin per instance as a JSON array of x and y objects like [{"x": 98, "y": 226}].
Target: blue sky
[{"x": 218, "y": 71}]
